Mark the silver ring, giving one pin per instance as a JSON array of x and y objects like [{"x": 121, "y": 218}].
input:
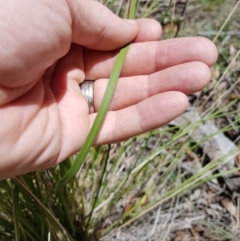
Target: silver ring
[{"x": 87, "y": 92}]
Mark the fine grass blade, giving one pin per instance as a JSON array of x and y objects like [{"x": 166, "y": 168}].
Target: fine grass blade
[
  {"x": 16, "y": 212},
  {"x": 53, "y": 222},
  {"x": 226, "y": 21},
  {"x": 112, "y": 83},
  {"x": 100, "y": 184}
]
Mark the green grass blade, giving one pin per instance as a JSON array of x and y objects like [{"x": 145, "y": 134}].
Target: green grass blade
[
  {"x": 102, "y": 110},
  {"x": 98, "y": 121},
  {"x": 112, "y": 83},
  {"x": 100, "y": 185},
  {"x": 50, "y": 218},
  {"x": 132, "y": 9},
  {"x": 16, "y": 211}
]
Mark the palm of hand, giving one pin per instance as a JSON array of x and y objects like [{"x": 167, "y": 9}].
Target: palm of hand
[{"x": 46, "y": 118}]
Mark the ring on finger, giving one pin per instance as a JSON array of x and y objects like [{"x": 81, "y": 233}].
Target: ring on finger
[{"x": 87, "y": 92}]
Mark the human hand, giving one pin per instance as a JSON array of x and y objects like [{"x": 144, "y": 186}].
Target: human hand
[{"x": 49, "y": 47}]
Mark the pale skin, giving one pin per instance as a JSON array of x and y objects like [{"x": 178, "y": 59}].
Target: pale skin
[{"x": 49, "y": 47}]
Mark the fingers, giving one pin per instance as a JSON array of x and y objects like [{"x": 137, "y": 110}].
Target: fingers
[
  {"x": 149, "y": 30},
  {"x": 187, "y": 78},
  {"x": 102, "y": 30},
  {"x": 149, "y": 57},
  {"x": 142, "y": 117},
  {"x": 73, "y": 108},
  {"x": 95, "y": 26}
]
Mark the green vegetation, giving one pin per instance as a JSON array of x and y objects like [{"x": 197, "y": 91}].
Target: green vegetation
[{"x": 118, "y": 184}]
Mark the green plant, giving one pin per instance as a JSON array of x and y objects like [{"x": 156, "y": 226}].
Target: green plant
[{"x": 117, "y": 182}]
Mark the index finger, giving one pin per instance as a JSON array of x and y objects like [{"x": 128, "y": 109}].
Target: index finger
[{"x": 94, "y": 26}]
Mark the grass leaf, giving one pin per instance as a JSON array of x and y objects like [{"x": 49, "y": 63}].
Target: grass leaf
[
  {"x": 16, "y": 212},
  {"x": 112, "y": 83}
]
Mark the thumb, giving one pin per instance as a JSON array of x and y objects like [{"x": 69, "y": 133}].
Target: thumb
[{"x": 95, "y": 26}]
